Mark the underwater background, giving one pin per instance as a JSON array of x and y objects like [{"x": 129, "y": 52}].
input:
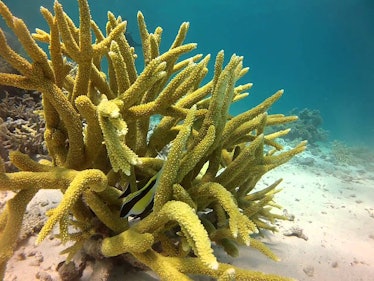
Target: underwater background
[{"x": 319, "y": 51}]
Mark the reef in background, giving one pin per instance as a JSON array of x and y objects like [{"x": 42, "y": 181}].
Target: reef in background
[
  {"x": 307, "y": 127},
  {"x": 21, "y": 127}
]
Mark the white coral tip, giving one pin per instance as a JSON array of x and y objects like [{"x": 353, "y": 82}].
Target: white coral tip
[{"x": 214, "y": 265}]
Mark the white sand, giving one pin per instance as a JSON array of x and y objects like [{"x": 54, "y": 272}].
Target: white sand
[{"x": 333, "y": 205}]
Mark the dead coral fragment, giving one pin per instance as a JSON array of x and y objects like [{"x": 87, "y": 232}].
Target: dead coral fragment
[
  {"x": 296, "y": 231},
  {"x": 97, "y": 134}
]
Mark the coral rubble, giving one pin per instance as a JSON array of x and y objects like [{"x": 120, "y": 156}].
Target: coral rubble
[{"x": 97, "y": 134}]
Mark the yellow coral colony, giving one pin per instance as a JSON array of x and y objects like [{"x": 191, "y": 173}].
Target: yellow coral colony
[{"x": 97, "y": 123}]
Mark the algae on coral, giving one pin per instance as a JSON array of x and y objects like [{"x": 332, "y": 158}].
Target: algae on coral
[{"x": 97, "y": 123}]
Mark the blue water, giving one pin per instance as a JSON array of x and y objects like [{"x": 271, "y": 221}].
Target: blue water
[{"x": 320, "y": 51}]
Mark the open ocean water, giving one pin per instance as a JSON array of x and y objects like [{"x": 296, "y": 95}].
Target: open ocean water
[{"x": 319, "y": 51}]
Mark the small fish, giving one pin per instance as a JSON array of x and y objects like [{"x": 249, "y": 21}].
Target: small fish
[
  {"x": 140, "y": 201},
  {"x": 131, "y": 40}
]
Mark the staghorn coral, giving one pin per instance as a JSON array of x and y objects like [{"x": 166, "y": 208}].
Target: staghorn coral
[
  {"x": 97, "y": 135},
  {"x": 21, "y": 128}
]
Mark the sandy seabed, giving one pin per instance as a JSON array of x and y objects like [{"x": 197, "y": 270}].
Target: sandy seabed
[{"x": 331, "y": 237}]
